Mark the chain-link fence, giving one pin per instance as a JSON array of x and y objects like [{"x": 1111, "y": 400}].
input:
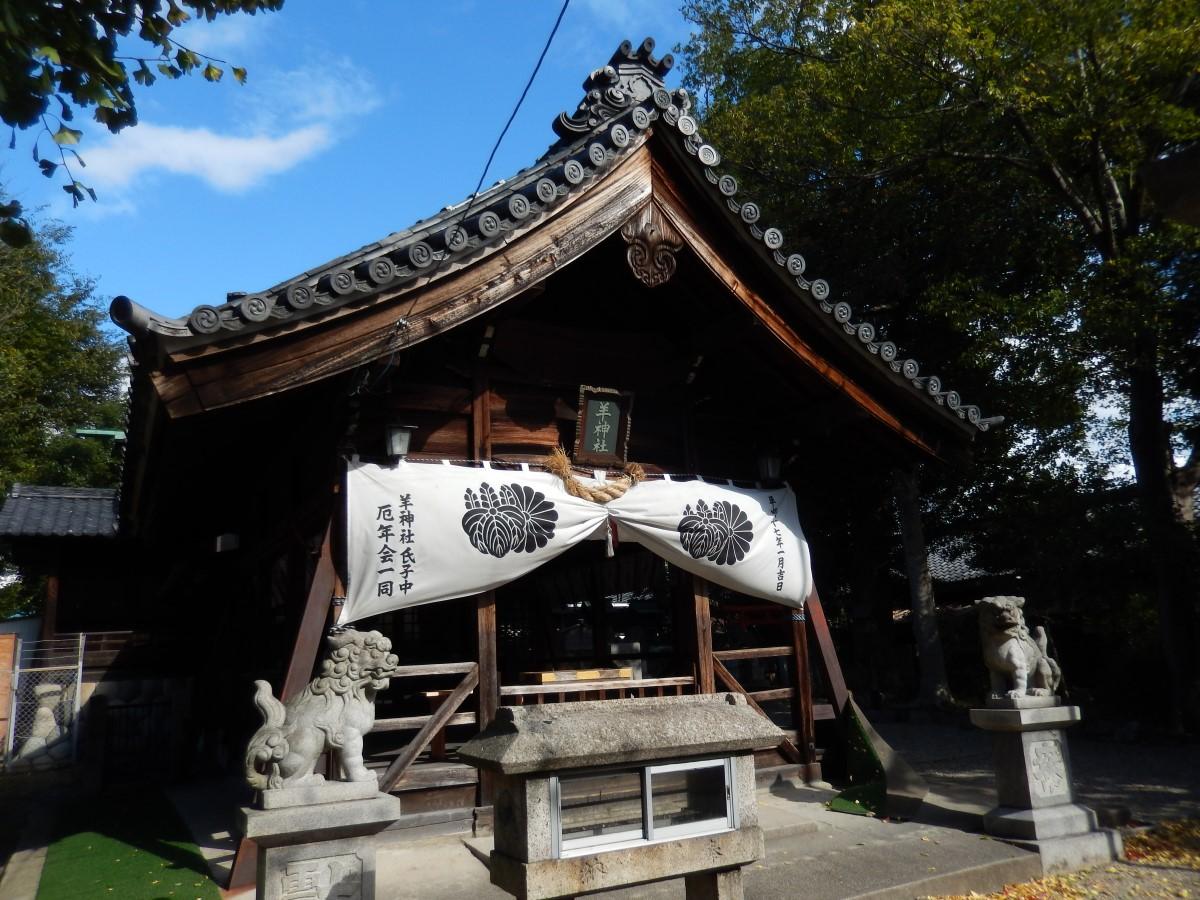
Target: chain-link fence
[{"x": 45, "y": 704}]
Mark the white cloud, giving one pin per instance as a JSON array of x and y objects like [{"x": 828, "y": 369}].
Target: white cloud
[
  {"x": 336, "y": 91},
  {"x": 228, "y": 163},
  {"x": 224, "y": 33},
  {"x": 279, "y": 120}
]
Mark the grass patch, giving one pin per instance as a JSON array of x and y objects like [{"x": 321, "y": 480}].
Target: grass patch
[{"x": 124, "y": 844}]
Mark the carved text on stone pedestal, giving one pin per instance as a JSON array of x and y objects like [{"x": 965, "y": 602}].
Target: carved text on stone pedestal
[
  {"x": 1047, "y": 768},
  {"x": 324, "y": 878}
]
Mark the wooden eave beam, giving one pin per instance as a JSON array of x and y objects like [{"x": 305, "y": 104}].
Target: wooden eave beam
[
  {"x": 675, "y": 172},
  {"x": 675, "y": 211},
  {"x": 198, "y": 380}
]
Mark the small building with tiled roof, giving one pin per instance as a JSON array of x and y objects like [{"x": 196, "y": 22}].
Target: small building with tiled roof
[
  {"x": 36, "y": 511},
  {"x": 625, "y": 259}
]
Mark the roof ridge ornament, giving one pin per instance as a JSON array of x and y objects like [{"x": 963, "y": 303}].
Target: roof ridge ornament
[{"x": 630, "y": 77}]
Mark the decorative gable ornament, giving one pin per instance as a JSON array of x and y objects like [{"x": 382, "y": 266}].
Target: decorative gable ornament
[{"x": 653, "y": 243}]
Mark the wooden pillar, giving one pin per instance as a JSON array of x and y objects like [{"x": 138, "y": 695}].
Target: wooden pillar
[
  {"x": 819, "y": 629},
  {"x": 705, "y": 680},
  {"x": 481, "y": 414},
  {"x": 489, "y": 680},
  {"x": 312, "y": 623},
  {"x": 489, "y": 677},
  {"x": 50, "y": 609},
  {"x": 802, "y": 702},
  {"x": 485, "y": 603}
]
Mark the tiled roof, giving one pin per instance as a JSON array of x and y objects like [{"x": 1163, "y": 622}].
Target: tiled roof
[
  {"x": 38, "y": 511},
  {"x": 624, "y": 102},
  {"x": 942, "y": 568}
]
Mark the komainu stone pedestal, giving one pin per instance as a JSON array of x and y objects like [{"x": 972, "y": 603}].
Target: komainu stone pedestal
[
  {"x": 318, "y": 842},
  {"x": 1036, "y": 799}
]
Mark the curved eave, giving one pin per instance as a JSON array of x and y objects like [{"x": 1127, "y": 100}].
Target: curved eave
[
  {"x": 207, "y": 377},
  {"x": 431, "y": 250}
]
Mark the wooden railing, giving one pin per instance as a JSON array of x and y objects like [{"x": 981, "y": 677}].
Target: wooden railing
[
  {"x": 517, "y": 694},
  {"x": 430, "y": 725}
]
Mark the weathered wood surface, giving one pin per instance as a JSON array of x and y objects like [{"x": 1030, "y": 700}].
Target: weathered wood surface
[
  {"x": 702, "y": 624},
  {"x": 437, "y": 775},
  {"x": 307, "y": 642},
  {"x": 773, "y": 694},
  {"x": 752, "y": 653},
  {"x": 786, "y": 747},
  {"x": 489, "y": 675},
  {"x": 455, "y": 668},
  {"x": 481, "y": 414},
  {"x": 676, "y": 212},
  {"x": 632, "y": 686},
  {"x": 819, "y": 629},
  {"x": 409, "y": 723},
  {"x": 802, "y": 705},
  {"x": 436, "y": 723}
]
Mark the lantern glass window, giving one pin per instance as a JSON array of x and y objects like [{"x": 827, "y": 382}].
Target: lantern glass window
[
  {"x": 601, "y": 808},
  {"x": 612, "y": 809},
  {"x": 690, "y": 798}
]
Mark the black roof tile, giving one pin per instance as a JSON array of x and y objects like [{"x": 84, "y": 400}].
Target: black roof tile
[{"x": 39, "y": 511}]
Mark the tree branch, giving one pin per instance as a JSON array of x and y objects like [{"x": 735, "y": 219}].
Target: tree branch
[{"x": 1061, "y": 180}]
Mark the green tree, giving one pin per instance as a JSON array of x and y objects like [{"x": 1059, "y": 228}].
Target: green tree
[
  {"x": 60, "y": 54},
  {"x": 59, "y": 370},
  {"x": 1046, "y": 115}
]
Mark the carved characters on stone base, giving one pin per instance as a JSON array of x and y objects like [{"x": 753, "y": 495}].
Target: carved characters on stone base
[
  {"x": 327, "y": 878},
  {"x": 333, "y": 712},
  {"x": 653, "y": 243},
  {"x": 1018, "y": 662}
]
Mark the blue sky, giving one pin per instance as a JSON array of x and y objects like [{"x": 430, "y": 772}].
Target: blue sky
[{"x": 357, "y": 119}]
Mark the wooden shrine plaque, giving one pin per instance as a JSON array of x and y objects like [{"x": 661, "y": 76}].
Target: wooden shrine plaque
[{"x": 602, "y": 426}]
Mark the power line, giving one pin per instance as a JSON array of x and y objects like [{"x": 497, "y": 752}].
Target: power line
[
  {"x": 495, "y": 147},
  {"x": 402, "y": 321}
]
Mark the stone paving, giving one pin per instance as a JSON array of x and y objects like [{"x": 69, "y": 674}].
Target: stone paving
[{"x": 814, "y": 853}]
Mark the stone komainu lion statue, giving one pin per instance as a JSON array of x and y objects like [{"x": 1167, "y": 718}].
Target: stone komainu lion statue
[
  {"x": 1017, "y": 661},
  {"x": 333, "y": 712}
]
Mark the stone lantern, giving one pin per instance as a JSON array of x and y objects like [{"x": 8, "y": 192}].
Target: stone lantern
[{"x": 604, "y": 794}]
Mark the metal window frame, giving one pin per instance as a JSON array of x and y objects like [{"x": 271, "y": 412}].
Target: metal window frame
[
  {"x": 704, "y": 826},
  {"x": 647, "y": 834}
]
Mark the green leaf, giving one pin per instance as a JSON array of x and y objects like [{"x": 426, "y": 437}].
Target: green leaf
[
  {"x": 48, "y": 168},
  {"x": 74, "y": 191},
  {"x": 66, "y": 135},
  {"x": 239, "y": 75},
  {"x": 48, "y": 53},
  {"x": 175, "y": 15},
  {"x": 212, "y": 73},
  {"x": 67, "y": 113}
]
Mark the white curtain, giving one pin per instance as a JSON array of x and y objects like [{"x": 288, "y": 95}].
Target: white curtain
[{"x": 420, "y": 533}]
